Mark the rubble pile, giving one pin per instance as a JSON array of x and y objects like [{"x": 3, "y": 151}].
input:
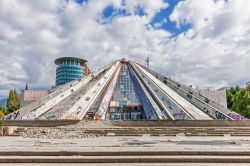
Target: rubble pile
[
  {"x": 93, "y": 124},
  {"x": 67, "y": 132},
  {"x": 56, "y": 133}
]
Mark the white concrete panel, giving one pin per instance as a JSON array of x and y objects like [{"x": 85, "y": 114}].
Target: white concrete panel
[
  {"x": 157, "y": 110},
  {"x": 102, "y": 110},
  {"x": 187, "y": 106},
  {"x": 61, "y": 96},
  {"x": 157, "y": 95},
  {"x": 212, "y": 109},
  {"x": 80, "y": 108}
]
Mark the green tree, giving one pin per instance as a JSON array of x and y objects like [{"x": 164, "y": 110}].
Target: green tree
[
  {"x": 2, "y": 114},
  {"x": 231, "y": 93},
  {"x": 4, "y": 110},
  {"x": 13, "y": 101},
  {"x": 241, "y": 102}
]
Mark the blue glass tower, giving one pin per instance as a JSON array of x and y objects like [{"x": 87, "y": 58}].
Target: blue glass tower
[{"x": 69, "y": 69}]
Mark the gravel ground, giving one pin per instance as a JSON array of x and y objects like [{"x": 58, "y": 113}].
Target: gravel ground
[{"x": 56, "y": 133}]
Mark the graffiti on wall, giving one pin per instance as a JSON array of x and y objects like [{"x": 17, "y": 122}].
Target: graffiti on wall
[
  {"x": 220, "y": 116},
  {"x": 237, "y": 116},
  {"x": 30, "y": 115}
]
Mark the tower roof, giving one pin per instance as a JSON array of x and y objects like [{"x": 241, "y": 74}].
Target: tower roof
[{"x": 62, "y": 59}]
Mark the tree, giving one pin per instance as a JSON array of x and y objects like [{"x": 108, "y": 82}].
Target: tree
[
  {"x": 1, "y": 111},
  {"x": 4, "y": 110},
  {"x": 13, "y": 101},
  {"x": 1, "y": 114},
  {"x": 231, "y": 94},
  {"x": 239, "y": 100}
]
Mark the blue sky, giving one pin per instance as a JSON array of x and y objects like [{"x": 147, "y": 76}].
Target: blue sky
[
  {"x": 109, "y": 12},
  {"x": 170, "y": 25}
]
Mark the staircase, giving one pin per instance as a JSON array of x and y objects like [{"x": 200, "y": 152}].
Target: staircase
[{"x": 125, "y": 157}]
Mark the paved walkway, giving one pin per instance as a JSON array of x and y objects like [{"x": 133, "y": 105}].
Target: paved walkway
[{"x": 143, "y": 143}]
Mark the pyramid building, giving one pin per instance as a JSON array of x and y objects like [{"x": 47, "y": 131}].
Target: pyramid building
[{"x": 124, "y": 90}]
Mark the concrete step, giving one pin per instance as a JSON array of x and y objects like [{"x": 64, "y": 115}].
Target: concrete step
[
  {"x": 125, "y": 159},
  {"x": 125, "y": 164},
  {"x": 124, "y": 153}
]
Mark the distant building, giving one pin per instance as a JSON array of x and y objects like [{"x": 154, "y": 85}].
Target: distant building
[
  {"x": 28, "y": 96},
  {"x": 218, "y": 96},
  {"x": 69, "y": 69}
]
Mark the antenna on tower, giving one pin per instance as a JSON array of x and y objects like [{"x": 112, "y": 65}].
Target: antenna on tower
[
  {"x": 147, "y": 62},
  {"x": 147, "y": 59},
  {"x": 26, "y": 86}
]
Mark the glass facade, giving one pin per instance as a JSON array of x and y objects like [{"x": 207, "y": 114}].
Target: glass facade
[
  {"x": 127, "y": 105},
  {"x": 125, "y": 90},
  {"x": 68, "y": 70}
]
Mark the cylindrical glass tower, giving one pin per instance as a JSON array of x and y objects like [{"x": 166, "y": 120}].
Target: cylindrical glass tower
[{"x": 69, "y": 69}]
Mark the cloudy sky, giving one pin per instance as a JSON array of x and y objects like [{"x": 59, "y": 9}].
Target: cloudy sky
[{"x": 201, "y": 42}]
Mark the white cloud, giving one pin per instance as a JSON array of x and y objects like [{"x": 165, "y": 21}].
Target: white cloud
[
  {"x": 218, "y": 45},
  {"x": 34, "y": 33}
]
